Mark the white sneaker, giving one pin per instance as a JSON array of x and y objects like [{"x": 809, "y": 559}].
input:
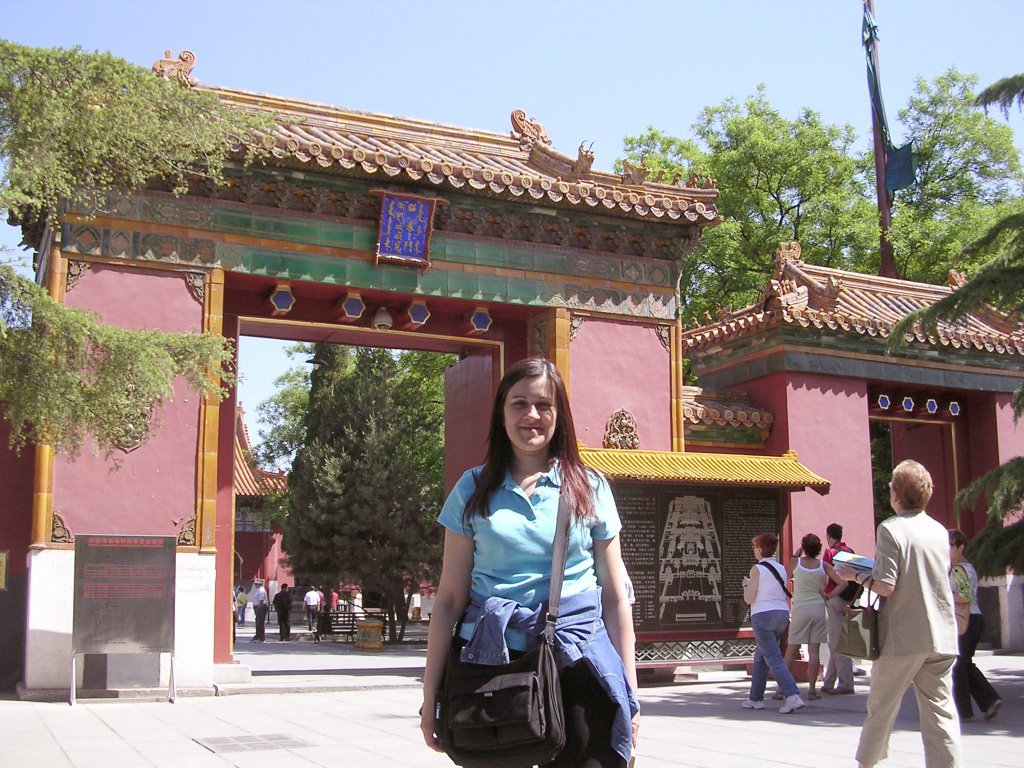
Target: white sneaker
[
  {"x": 791, "y": 704},
  {"x": 748, "y": 704}
]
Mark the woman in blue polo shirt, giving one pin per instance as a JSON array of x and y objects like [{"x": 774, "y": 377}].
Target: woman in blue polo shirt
[{"x": 500, "y": 527}]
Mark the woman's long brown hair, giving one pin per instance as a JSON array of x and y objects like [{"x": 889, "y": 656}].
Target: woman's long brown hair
[{"x": 575, "y": 483}]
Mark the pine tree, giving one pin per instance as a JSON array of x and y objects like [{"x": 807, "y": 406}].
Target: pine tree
[{"x": 364, "y": 497}]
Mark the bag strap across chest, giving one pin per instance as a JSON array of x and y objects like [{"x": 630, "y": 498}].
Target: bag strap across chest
[
  {"x": 558, "y": 556},
  {"x": 778, "y": 578}
]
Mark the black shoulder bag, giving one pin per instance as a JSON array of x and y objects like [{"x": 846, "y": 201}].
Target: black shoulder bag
[{"x": 508, "y": 715}]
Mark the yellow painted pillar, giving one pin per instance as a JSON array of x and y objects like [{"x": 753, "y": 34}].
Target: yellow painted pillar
[
  {"x": 42, "y": 480},
  {"x": 559, "y": 350},
  {"x": 677, "y": 368},
  {"x": 209, "y": 429}
]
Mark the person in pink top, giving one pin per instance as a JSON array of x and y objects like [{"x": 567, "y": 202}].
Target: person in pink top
[{"x": 838, "y": 678}]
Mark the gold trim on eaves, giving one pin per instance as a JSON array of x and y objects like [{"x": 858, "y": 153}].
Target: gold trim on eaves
[{"x": 784, "y": 471}]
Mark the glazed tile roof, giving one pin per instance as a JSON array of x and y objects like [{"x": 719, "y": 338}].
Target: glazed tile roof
[
  {"x": 723, "y": 409},
  {"x": 784, "y": 471},
  {"x": 250, "y": 479},
  {"x": 520, "y": 165},
  {"x": 865, "y": 305}
]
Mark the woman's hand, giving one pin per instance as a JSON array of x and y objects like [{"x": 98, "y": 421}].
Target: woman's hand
[
  {"x": 428, "y": 726},
  {"x": 636, "y": 728}
]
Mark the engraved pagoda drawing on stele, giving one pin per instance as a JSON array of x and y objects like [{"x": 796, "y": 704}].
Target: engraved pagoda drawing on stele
[{"x": 690, "y": 581}]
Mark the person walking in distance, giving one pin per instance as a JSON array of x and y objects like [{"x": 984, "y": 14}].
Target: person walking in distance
[
  {"x": 916, "y": 625},
  {"x": 312, "y": 603},
  {"x": 260, "y": 607},
  {"x": 241, "y": 601},
  {"x": 283, "y": 609},
  {"x": 838, "y": 678},
  {"x": 968, "y": 680}
]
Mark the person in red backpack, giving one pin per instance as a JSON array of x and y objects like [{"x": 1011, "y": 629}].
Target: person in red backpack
[{"x": 839, "y": 670}]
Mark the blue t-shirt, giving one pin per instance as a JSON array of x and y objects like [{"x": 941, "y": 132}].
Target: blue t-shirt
[{"x": 512, "y": 545}]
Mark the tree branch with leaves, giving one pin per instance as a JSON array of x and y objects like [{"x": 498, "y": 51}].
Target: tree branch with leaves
[{"x": 77, "y": 127}]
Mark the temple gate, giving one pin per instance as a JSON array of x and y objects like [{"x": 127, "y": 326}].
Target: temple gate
[{"x": 367, "y": 229}]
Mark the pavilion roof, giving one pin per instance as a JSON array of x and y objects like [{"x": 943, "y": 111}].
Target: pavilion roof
[
  {"x": 518, "y": 166},
  {"x": 725, "y": 409},
  {"x": 250, "y": 478},
  {"x": 809, "y": 296},
  {"x": 784, "y": 472}
]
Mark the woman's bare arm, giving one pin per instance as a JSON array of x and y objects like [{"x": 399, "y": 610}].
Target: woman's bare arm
[{"x": 452, "y": 598}]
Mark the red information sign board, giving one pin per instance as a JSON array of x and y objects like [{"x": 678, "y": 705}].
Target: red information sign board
[{"x": 124, "y": 594}]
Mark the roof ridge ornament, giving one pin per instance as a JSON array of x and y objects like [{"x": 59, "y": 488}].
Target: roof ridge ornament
[
  {"x": 788, "y": 252},
  {"x": 634, "y": 175},
  {"x": 704, "y": 181},
  {"x": 528, "y": 130},
  {"x": 584, "y": 161},
  {"x": 955, "y": 279},
  {"x": 177, "y": 69}
]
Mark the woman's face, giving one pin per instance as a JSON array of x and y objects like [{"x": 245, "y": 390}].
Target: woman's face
[
  {"x": 530, "y": 415},
  {"x": 956, "y": 554}
]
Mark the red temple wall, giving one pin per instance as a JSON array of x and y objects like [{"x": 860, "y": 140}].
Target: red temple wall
[
  {"x": 15, "y": 537},
  {"x": 261, "y": 557},
  {"x": 154, "y": 488},
  {"x": 615, "y": 365},
  {"x": 15, "y": 501},
  {"x": 825, "y": 420},
  {"x": 930, "y": 445}
]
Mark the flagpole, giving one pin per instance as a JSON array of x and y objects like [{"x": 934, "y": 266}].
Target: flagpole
[{"x": 886, "y": 262}]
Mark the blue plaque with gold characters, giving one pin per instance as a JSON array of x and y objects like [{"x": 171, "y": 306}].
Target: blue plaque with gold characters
[{"x": 406, "y": 222}]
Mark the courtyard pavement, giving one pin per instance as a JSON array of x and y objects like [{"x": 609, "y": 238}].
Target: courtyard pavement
[{"x": 332, "y": 705}]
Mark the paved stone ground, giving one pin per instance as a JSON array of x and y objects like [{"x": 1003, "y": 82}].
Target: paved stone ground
[{"x": 332, "y": 705}]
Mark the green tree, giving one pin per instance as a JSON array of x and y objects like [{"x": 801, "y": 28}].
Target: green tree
[
  {"x": 74, "y": 123},
  {"x": 282, "y": 416},
  {"x": 999, "y": 284},
  {"x": 968, "y": 177},
  {"x": 78, "y": 128},
  {"x": 65, "y": 377},
  {"x": 365, "y": 486},
  {"x": 780, "y": 180}
]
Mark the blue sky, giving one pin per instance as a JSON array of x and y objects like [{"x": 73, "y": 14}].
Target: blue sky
[{"x": 594, "y": 71}]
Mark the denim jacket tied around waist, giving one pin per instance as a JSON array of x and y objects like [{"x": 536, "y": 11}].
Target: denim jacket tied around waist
[{"x": 579, "y": 634}]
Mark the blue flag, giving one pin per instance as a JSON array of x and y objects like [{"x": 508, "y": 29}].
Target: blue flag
[{"x": 900, "y": 163}]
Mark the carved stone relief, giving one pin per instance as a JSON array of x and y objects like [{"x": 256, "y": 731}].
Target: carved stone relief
[
  {"x": 75, "y": 270},
  {"x": 575, "y": 323},
  {"x": 664, "y": 335},
  {"x": 622, "y": 432},
  {"x": 187, "y": 534},
  {"x": 196, "y": 285},
  {"x": 59, "y": 533}
]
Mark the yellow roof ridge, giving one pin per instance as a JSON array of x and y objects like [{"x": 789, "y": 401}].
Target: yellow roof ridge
[{"x": 783, "y": 471}]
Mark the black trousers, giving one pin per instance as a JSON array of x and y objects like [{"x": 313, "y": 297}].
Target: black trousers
[
  {"x": 589, "y": 715},
  {"x": 284, "y": 627},
  {"x": 968, "y": 680},
  {"x": 261, "y": 621}
]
